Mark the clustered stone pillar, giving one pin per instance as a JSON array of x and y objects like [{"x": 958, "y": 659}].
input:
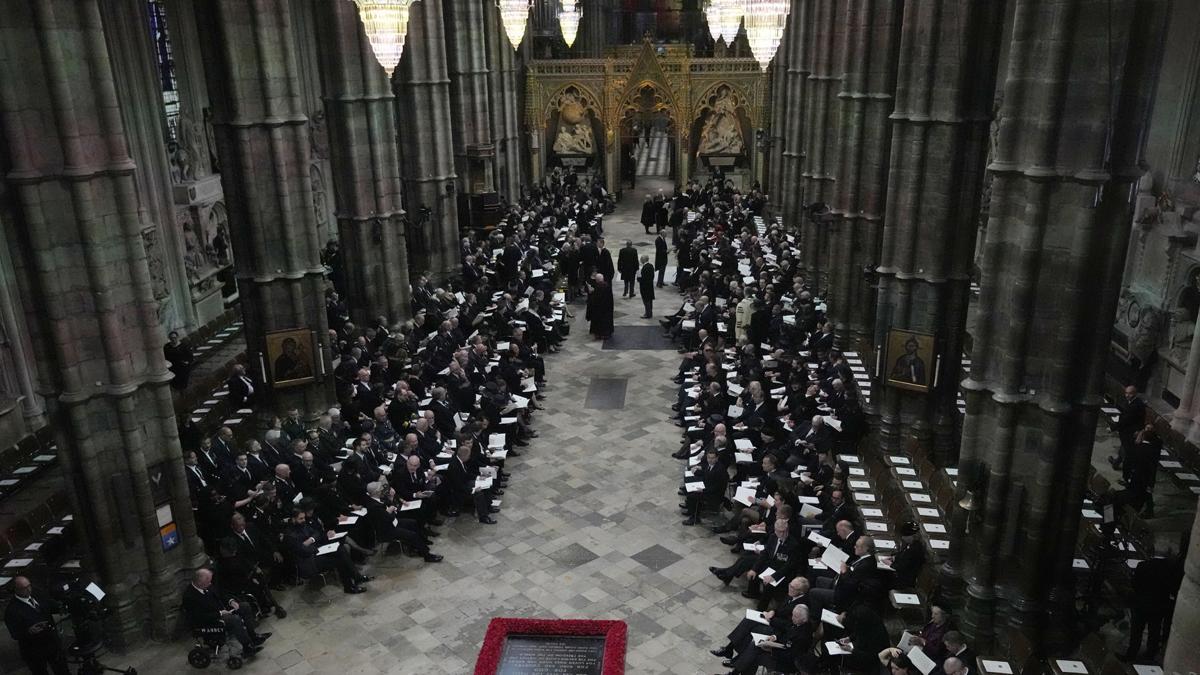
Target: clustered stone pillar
[
  {"x": 92, "y": 307},
  {"x": 592, "y": 38},
  {"x": 799, "y": 32},
  {"x": 423, "y": 89},
  {"x": 778, "y": 100},
  {"x": 859, "y": 197},
  {"x": 823, "y": 62},
  {"x": 939, "y": 148},
  {"x": 504, "y": 107},
  {"x": 1076, "y": 95},
  {"x": 364, "y": 155},
  {"x": 262, "y": 136},
  {"x": 1182, "y": 655},
  {"x": 466, "y": 46}
]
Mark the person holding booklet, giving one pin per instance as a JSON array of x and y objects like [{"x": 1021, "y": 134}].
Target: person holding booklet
[
  {"x": 781, "y": 558},
  {"x": 774, "y": 621},
  {"x": 786, "y": 651}
]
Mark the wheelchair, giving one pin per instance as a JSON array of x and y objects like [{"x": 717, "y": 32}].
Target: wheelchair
[{"x": 210, "y": 642}]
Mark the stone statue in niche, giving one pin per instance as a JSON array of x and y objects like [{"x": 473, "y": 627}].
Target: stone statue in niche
[
  {"x": 193, "y": 141},
  {"x": 158, "y": 271},
  {"x": 1185, "y": 317},
  {"x": 182, "y": 168},
  {"x": 574, "y": 128},
  {"x": 210, "y": 139},
  {"x": 195, "y": 261},
  {"x": 722, "y": 133},
  {"x": 318, "y": 135}
]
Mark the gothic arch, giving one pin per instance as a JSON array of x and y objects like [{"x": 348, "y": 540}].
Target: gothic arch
[
  {"x": 587, "y": 98},
  {"x": 742, "y": 99}
]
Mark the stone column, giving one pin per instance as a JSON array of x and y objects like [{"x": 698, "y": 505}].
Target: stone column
[
  {"x": 466, "y": 50},
  {"x": 864, "y": 139},
  {"x": 360, "y": 108},
  {"x": 778, "y": 99},
  {"x": 823, "y": 59},
  {"x": 939, "y": 147},
  {"x": 592, "y": 30},
  {"x": 799, "y": 33},
  {"x": 18, "y": 362},
  {"x": 422, "y": 86},
  {"x": 1076, "y": 96},
  {"x": 505, "y": 111},
  {"x": 263, "y": 144},
  {"x": 139, "y": 89},
  {"x": 1181, "y": 655},
  {"x": 91, "y": 299}
]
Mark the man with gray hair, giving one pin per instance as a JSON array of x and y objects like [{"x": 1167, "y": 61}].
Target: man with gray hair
[
  {"x": 646, "y": 286},
  {"x": 384, "y": 520}
]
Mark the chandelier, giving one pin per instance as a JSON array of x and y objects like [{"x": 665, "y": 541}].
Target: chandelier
[
  {"x": 386, "y": 22},
  {"x": 765, "y": 20},
  {"x": 514, "y": 14},
  {"x": 724, "y": 17},
  {"x": 568, "y": 21}
]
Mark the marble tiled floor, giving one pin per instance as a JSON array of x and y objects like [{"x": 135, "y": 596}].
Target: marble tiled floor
[{"x": 590, "y": 528}]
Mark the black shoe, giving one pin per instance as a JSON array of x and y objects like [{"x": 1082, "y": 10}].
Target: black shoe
[
  {"x": 720, "y": 529},
  {"x": 647, "y": 316},
  {"x": 432, "y": 558},
  {"x": 514, "y": 453},
  {"x": 682, "y": 454},
  {"x": 729, "y": 539},
  {"x": 675, "y": 407},
  {"x": 519, "y": 444},
  {"x": 363, "y": 578},
  {"x": 430, "y": 533},
  {"x": 487, "y": 520},
  {"x": 494, "y": 509},
  {"x": 724, "y": 652},
  {"x": 260, "y": 638},
  {"x": 751, "y": 596},
  {"x": 280, "y": 613},
  {"x": 452, "y": 513},
  {"x": 498, "y": 492},
  {"x": 727, "y": 663},
  {"x": 690, "y": 522},
  {"x": 437, "y": 522},
  {"x": 354, "y": 590}
]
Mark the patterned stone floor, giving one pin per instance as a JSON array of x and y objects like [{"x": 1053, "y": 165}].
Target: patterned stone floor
[{"x": 589, "y": 529}]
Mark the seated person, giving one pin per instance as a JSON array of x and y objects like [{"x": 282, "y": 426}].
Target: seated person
[
  {"x": 786, "y": 651},
  {"x": 205, "y": 606},
  {"x": 303, "y": 542}
]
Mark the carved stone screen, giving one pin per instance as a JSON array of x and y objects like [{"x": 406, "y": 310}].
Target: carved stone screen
[{"x": 552, "y": 655}]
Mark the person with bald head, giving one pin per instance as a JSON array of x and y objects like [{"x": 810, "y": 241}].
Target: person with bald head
[
  {"x": 30, "y": 621},
  {"x": 205, "y": 606}
]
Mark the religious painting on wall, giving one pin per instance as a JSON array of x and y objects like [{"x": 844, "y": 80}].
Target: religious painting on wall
[
  {"x": 290, "y": 357},
  {"x": 909, "y": 360}
]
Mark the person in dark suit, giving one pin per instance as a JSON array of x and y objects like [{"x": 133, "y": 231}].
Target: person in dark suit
[
  {"x": 782, "y": 553},
  {"x": 909, "y": 560},
  {"x": 460, "y": 486},
  {"x": 241, "y": 388},
  {"x": 249, "y": 569},
  {"x": 856, "y": 580},
  {"x": 604, "y": 262},
  {"x": 646, "y": 286},
  {"x": 600, "y": 308},
  {"x": 385, "y": 521},
  {"x": 179, "y": 354},
  {"x": 30, "y": 621},
  {"x": 647, "y": 219},
  {"x": 1130, "y": 421},
  {"x": 205, "y": 606},
  {"x": 739, "y": 638},
  {"x": 1141, "y": 465},
  {"x": 714, "y": 473},
  {"x": 956, "y": 647},
  {"x": 627, "y": 265},
  {"x": 1155, "y": 583},
  {"x": 787, "y": 649},
  {"x": 196, "y": 478},
  {"x": 303, "y": 541},
  {"x": 589, "y": 255},
  {"x": 660, "y": 257}
]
